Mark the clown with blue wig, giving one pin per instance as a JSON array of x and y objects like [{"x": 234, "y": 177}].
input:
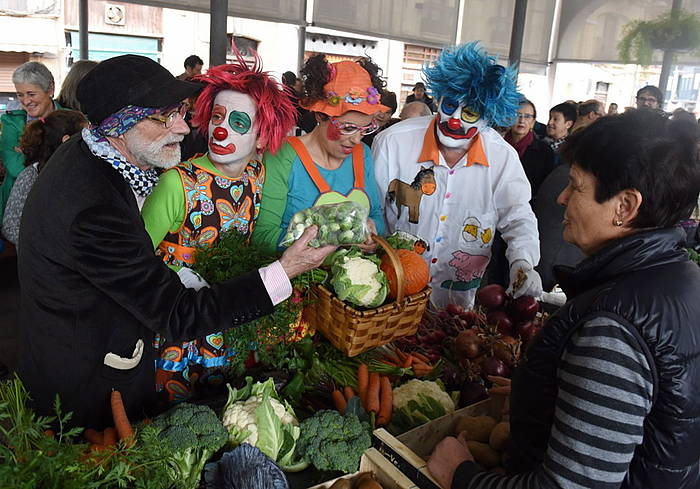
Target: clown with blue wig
[{"x": 452, "y": 180}]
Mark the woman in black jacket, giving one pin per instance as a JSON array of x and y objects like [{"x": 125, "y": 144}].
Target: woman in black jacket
[{"x": 607, "y": 394}]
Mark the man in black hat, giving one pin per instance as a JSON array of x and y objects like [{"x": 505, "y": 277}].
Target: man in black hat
[
  {"x": 92, "y": 291},
  {"x": 419, "y": 95}
]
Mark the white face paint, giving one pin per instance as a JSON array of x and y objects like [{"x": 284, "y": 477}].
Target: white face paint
[
  {"x": 457, "y": 124},
  {"x": 232, "y": 134}
]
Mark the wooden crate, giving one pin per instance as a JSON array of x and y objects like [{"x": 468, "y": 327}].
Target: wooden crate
[
  {"x": 409, "y": 452},
  {"x": 386, "y": 473}
]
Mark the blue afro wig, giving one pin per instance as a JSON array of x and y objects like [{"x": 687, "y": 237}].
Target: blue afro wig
[{"x": 466, "y": 73}]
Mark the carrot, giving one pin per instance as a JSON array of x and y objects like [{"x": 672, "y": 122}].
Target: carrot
[
  {"x": 407, "y": 361},
  {"x": 50, "y": 433},
  {"x": 109, "y": 437},
  {"x": 373, "y": 393},
  {"x": 388, "y": 362},
  {"x": 96, "y": 447},
  {"x": 348, "y": 393},
  {"x": 421, "y": 369},
  {"x": 362, "y": 383},
  {"x": 420, "y": 357},
  {"x": 94, "y": 436},
  {"x": 385, "y": 402},
  {"x": 121, "y": 420},
  {"x": 402, "y": 356},
  {"x": 339, "y": 401}
]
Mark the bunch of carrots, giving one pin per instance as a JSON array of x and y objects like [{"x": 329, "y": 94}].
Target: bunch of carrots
[
  {"x": 122, "y": 430},
  {"x": 417, "y": 361},
  {"x": 374, "y": 391}
]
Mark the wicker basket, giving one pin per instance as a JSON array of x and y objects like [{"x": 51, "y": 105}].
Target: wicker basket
[{"x": 353, "y": 331}]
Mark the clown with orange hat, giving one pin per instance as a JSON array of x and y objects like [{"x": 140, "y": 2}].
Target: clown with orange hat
[{"x": 330, "y": 164}]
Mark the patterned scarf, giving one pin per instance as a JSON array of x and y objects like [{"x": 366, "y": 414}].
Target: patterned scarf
[{"x": 141, "y": 182}]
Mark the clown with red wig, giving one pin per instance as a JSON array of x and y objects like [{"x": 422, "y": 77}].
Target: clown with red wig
[{"x": 242, "y": 112}]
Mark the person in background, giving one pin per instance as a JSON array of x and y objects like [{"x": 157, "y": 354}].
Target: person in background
[
  {"x": 650, "y": 97},
  {"x": 241, "y": 112},
  {"x": 40, "y": 139},
  {"x": 608, "y": 394},
  {"x": 419, "y": 95},
  {"x": 35, "y": 88},
  {"x": 384, "y": 119},
  {"x": 535, "y": 155},
  {"x": 330, "y": 164},
  {"x": 93, "y": 291},
  {"x": 588, "y": 112},
  {"x": 193, "y": 66},
  {"x": 561, "y": 118},
  {"x": 612, "y": 109},
  {"x": 453, "y": 181},
  {"x": 66, "y": 97},
  {"x": 414, "y": 109},
  {"x": 683, "y": 115}
]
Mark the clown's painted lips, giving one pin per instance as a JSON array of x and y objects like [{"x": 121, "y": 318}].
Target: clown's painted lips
[
  {"x": 221, "y": 150},
  {"x": 457, "y": 134}
]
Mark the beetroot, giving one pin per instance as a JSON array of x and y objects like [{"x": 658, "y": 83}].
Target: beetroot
[
  {"x": 491, "y": 297},
  {"x": 501, "y": 320},
  {"x": 524, "y": 308},
  {"x": 493, "y": 366},
  {"x": 471, "y": 392},
  {"x": 527, "y": 329},
  {"x": 467, "y": 344},
  {"x": 454, "y": 309},
  {"x": 469, "y": 318}
]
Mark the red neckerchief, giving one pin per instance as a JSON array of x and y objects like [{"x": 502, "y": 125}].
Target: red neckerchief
[{"x": 522, "y": 145}]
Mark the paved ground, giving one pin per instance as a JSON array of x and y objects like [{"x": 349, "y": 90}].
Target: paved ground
[{"x": 9, "y": 307}]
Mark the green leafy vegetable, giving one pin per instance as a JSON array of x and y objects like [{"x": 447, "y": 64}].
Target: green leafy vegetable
[{"x": 254, "y": 414}]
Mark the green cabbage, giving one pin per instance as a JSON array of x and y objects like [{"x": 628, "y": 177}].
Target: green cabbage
[{"x": 357, "y": 279}]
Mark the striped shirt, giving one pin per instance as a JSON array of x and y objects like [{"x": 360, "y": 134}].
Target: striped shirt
[{"x": 605, "y": 392}]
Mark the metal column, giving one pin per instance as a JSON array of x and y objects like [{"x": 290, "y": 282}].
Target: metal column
[
  {"x": 217, "y": 32},
  {"x": 83, "y": 28},
  {"x": 516, "y": 35},
  {"x": 667, "y": 62}
]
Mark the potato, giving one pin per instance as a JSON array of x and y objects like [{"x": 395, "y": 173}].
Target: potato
[
  {"x": 500, "y": 436},
  {"x": 366, "y": 481},
  {"x": 342, "y": 484},
  {"x": 478, "y": 428},
  {"x": 484, "y": 454}
]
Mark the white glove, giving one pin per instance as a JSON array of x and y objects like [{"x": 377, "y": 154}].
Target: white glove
[
  {"x": 524, "y": 280},
  {"x": 191, "y": 279}
]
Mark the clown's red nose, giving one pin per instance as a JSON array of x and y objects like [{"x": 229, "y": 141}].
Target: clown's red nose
[
  {"x": 220, "y": 133},
  {"x": 454, "y": 124}
]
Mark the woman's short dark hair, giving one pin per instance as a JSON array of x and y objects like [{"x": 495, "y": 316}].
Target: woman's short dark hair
[
  {"x": 642, "y": 150},
  {"x": 568, "y": 110},
  {"x": 525, "y": 101},
  {"x": 42, "y": 137}
]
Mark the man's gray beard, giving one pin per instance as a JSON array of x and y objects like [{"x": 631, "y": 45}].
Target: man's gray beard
[{"x": 152, "y": 153}]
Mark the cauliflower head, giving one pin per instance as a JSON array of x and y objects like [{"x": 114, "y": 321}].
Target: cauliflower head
[
  {"x": 418, "y": 401},
  {"x": 358, "y": 280},
  {"x": 241, "y": 416}
]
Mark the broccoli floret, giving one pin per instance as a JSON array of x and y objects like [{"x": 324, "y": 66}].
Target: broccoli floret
[
  {"x": 331, "y": 441},
  {"x": 193, "y": 433}
]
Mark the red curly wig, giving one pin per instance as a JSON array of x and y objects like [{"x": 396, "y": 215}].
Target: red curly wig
[{"x": 276, "y": 114}]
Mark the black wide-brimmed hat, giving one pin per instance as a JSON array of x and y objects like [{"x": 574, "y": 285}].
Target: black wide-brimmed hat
[{"x": 129, "y": 80}]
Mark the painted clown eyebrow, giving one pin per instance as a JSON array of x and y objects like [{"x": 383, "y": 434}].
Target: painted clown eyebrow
[{"x": 239, "y": 121}]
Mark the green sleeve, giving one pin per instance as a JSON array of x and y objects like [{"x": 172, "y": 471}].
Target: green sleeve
[
  {"x": 274, "y": 198},
  {"x": 164, "y": 209},
  {"x": 10, "y": 132}
]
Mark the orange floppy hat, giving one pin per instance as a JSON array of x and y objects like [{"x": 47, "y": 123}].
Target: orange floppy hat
[{"x": 349, "y": 88}]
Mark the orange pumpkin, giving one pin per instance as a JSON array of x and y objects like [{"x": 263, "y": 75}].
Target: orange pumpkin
[{"x": 415, "y": 270}]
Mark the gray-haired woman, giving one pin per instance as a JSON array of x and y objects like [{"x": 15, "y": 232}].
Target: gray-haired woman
[{"x": 34, "y": 85}]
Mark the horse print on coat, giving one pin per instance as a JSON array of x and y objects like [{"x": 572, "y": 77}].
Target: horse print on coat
[{"x": 409, "y": 195}]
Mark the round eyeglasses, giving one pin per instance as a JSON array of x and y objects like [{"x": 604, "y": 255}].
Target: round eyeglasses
[{"x": 168, "y": 118}]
